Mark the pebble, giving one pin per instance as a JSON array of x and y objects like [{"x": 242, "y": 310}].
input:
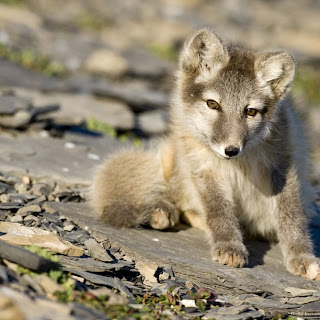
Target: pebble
[
  {"x": 34, "y": 208},
  {"x": 48, "y": 208},
  {"x": 16, "y": 218},
  {"x": 10, "y": 206},
  {"x": 21, "y": 187},
  {"x": 38, "y": 200},
  {"x": 97, "y": 251},
  {"x": 68, "y": 227},
  {"x": 4, "y": 198},
  {"x": 31, "y": 218},
  {"x": 3, "y": 215},
  {"x": 41, "y": 189}
]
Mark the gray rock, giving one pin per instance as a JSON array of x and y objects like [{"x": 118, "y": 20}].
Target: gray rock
[
  {"x": 153, "y": 122},
  {"x": 3, "y": 215},
  {"x": 48, "y": 208},
  {"x": 76, "y": 109},
  {"x": 31, "y": 217},
  {"x": 91, "y": 265},
  {"x": 267, "y": 273},
  {"x": 145, "y": 65},
  {"x": 41, "y": 189},
  {"x": 25, "y": 153},
  {"x": 37, "y": 200},
  {"x": 97, "y": 251},
  {"x": 34, "y": 208},
  {"x": 17, "y": 198},
  {"x": 138, "y": 97},
  {"x": 218, "y": 314},
  {"x": 106, "y": 62},
  {"x": 11, "y": 104},
  {"x": 10, "y": 206},
  {"x": 106, "y": 281}
]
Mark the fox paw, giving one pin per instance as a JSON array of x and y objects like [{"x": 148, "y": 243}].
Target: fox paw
[
  {"x": 305, "y": 265},
  {"x": 232, "y": 254},
  {"x": 163, "y": 218}
]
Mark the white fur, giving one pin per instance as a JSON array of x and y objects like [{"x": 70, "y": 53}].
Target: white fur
[{"x": 313, "y": 270}]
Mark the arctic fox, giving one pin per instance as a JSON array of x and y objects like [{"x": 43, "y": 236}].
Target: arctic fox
[{"x": 235, "y": 159}]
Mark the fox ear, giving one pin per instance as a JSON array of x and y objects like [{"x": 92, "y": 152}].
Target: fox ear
[
  {"x": 204, "y": 54},
  {"x": 277, "y": 70}
]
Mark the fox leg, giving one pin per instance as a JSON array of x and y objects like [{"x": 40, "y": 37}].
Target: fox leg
[
  {"x": 222, "y": 224},
  {"x": 293, "y": 233}
]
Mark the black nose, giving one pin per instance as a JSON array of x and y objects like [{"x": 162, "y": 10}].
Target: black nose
[{"x": 231, "y": 151}]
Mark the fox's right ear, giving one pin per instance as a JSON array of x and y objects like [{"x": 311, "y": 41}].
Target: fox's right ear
[{"x": 203, "y": 55}]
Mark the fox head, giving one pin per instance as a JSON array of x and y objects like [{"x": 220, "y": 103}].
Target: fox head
[{"x": 227, "y": 96}]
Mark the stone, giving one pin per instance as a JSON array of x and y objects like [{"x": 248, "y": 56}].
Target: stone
[
  {"x": 41, "y": 189},
  {"x": 48, "y": 208},
  {"x": 35, "y": 308},
  {"x": 25, "y": 153},
  {"x": 139, "y": 98},
  {"x": 20, "y": 235},
  {"x": 17, "y": 121},
  {"x": 16, "y": 219},
  {"x": 68, "y": 227},
  {"x": 91, "y": 265},
  {"x": 3, "y": 215},
  {"x": 106, "y": 62},
  {"x": 144, "y": 64},
  {"x": 106, "y": 281},
  {"x": 77, "y": 236},
  {"x": 113, "y": 298},
  {"x": 97, "y": 251},
  {"x": 9, "y": 309},
  {"x": 10, "y": 206},
  {"x": 302, "y": 300},
  {"x": 153, "y": 122},
  {"x": 219, "y": 314},
  {"x": 147, "y": 270},
  {"x": 16, "y": 197},
  {"x": 33, "y": 208},
  {"x": 47, "y": 284},
  {"x": 74, "y": 111},
  {"x": 11, "y": 104},
  {"x": 4, "y": 198},
  {"x": 21, "y": 187},
  {"x": 266, "y": 274},
  {"x": 32, "y": 218},
  {"x": 38, "y": 200},
  {"x": 298, "y": 292}
]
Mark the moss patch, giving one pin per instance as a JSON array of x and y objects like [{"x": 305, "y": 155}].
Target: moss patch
[{"x": 33, "y": 61}]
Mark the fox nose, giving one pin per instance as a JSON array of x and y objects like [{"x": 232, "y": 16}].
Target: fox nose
[{"x": 231, "y": 151}]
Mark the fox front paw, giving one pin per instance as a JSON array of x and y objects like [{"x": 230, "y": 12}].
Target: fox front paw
[
  {"x": 305, "y": 265},
  {"x": 232, "y": 254}
]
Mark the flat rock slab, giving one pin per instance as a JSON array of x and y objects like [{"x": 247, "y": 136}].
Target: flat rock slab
[
  {"x": 187, "y": 252},
  {"x": 72, "y": 158}
]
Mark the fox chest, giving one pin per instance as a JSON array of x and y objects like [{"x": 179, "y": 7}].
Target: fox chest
[{"x": 251, "y": 193}]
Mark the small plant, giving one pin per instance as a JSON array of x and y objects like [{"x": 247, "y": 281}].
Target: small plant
[
  {"x": 88, "y": 21},
  {"x": 307, "y": 84},
  {"x": 95, "y": 125},
  {"x": 33, "y": 61},
  {"x": 164, "y": 51},
  {"x": 12, "y": 2}
]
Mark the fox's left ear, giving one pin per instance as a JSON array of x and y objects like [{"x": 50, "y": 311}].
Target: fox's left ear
[{"x": 277, "y": 70}]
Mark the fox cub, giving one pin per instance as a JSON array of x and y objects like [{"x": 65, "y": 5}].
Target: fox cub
[{"x": 233, "y": 162}]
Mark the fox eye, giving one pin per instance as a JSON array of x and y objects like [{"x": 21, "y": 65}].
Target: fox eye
[
  {"x": 213, "y": 104},
  {"x": 251, "y": 112}
]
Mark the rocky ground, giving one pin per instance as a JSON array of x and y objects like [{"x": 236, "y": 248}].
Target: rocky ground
[{"x": 81, "y": 79}]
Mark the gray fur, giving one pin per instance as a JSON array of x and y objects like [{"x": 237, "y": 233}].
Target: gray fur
[{"x": 263, "y": 191}]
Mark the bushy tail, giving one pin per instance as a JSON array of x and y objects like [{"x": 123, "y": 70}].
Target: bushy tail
[{"x": 128, "y": 188}]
